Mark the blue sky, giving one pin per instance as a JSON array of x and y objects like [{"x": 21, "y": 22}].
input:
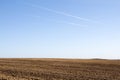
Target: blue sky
[{"x": 60, "y": 28}]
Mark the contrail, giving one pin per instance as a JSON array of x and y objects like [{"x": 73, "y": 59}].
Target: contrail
[
  {"x": 75, "y": 24},
  {"x": 63, "y": 13},
  {"x": 71, "y": 23}
]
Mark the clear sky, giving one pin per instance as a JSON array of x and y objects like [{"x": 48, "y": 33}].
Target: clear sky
[{"x": 60, "y": 28}]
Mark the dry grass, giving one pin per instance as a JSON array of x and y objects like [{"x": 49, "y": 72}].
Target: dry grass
[{"x": 59, "y": 69}]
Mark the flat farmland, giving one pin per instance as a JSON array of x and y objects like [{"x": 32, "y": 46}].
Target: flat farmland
[{"x": 59, "y": 69}]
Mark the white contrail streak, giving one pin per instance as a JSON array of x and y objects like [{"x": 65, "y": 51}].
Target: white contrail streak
[
  {"x": 63, "y": 13},
  {"x": 71, "y": 23}
]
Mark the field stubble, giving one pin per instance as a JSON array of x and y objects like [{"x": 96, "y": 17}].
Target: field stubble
[{"x": 59, "y": 69}]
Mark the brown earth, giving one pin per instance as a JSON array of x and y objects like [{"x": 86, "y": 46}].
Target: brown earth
[{"x": 59, "y": 69}]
